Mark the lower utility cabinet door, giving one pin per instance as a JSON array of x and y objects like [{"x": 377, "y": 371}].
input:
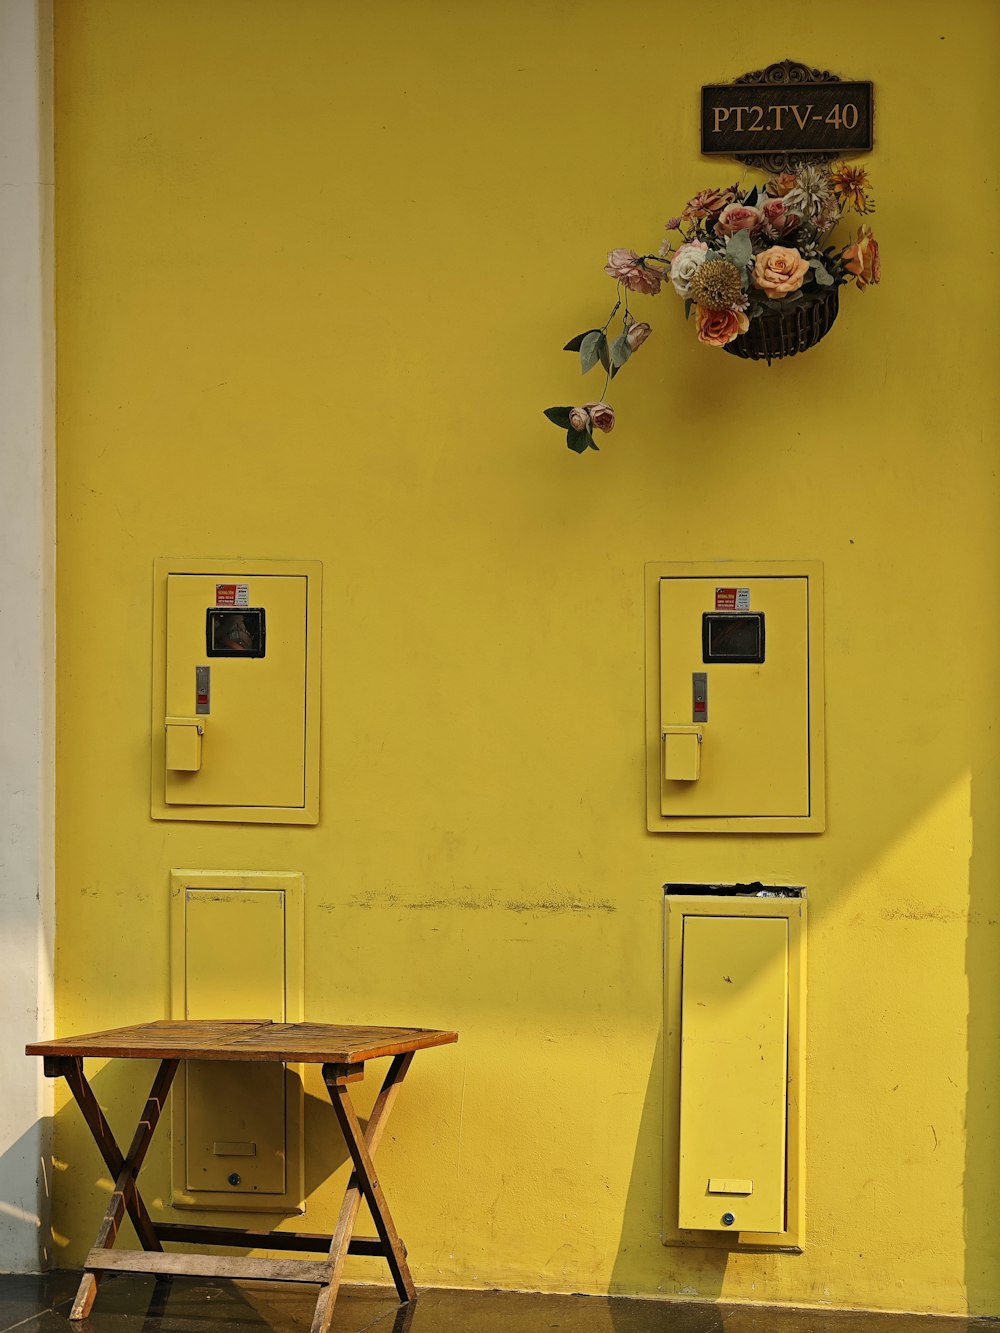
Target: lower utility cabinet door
[
  {"x": 237, "y": 954},
  {"x": 734, "y": 1069},
  {"x": 235, "y": 1131}
]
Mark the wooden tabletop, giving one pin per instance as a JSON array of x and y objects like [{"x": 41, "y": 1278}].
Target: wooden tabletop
[{"x": 232, "y": 1039}]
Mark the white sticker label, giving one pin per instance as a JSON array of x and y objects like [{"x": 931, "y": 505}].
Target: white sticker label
[
  {"x": 232, "y": 594},
  {"x": 742, "y": 599}
]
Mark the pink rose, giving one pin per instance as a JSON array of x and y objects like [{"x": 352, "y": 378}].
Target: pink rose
[
  {"x": 627, "y": 267},
  {"x": 778, "y": 216},
  {"x": 637, "y": 335},
  {"x": 863, "y": 260},
  {"x": 779, "y": 271},
  {"x": 579, "y": 418},
  {"x": 718, "y": 327},
  {"x": 737, "y": 217},
  {"x": 602, "y": 417}
]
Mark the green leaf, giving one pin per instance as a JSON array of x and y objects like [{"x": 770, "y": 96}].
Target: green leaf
[
  {"x": 589, "y": 354},
  {"x": 604, "y": 353},
  {"x": 559, "y": 416},
  {"x": 579, "y": 440},
  {"x": 821, "y": 273},
  {"x": 739, "y": 250},
  {"x": 620, "y": 351},
  {"x": 687, "y": 309},
  {"x": 751, "y": 199},
  {"x": 574, "y": 344}
]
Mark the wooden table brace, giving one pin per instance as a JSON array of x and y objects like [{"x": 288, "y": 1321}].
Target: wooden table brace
[
  {"x": 362, "y": 1148},
  {"x": 125, "y": 1196}
]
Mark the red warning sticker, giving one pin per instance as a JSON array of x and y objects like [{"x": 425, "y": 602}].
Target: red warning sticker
[
  {"x": 232, "y": 594},
  {"x": 732, "y": 599}
]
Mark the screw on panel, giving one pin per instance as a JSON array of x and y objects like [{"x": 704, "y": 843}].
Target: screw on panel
[
  {"x": 727, "y": 1218},
  {"x": 235, "y": 1178}
]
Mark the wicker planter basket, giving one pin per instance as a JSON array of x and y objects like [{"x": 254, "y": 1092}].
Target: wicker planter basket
[{"x": 772, "y": 337}]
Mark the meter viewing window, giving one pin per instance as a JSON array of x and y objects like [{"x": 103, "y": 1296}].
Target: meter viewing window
[
  {"x": 231, "y": 633},
  {"x": 737, "y": 637}
]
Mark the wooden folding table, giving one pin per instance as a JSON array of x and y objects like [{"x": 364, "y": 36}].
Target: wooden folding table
[{"x": 341, "y": 1050}]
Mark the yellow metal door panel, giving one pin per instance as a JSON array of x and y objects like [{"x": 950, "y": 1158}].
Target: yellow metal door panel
[
  {"x": 235, "y": 1127},
  {"x": 755, "y": 739},
  {"x": 235, "y": 968},
  {"x": 734, "y": 1072},
  {"x": 235, "y": 953},
  {"x": 254, "y": 743}
]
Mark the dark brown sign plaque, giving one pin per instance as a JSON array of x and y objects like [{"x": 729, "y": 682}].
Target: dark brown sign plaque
[{"x": 785, "y": 112}]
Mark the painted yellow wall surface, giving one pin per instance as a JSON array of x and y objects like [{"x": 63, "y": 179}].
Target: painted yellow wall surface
[{"x": 315, "y": 265}]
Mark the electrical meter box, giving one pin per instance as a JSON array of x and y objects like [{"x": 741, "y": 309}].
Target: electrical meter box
[
  {"x": 734, "y": 698},
  {"x": 734, "y": 1066},
  {"x": 236, "y": 687}
]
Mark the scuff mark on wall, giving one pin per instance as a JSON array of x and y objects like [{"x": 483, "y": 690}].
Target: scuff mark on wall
[{"x": 488, "y": 902}]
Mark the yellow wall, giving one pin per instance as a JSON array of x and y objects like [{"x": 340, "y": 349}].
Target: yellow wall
[{"x": 315, "y": 264}]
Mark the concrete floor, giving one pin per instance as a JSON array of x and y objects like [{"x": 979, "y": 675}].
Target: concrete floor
[{"x": 41, "y": 1304}]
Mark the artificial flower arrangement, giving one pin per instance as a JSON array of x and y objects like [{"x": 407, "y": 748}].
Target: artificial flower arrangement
[{"x": 757, "y": 267}]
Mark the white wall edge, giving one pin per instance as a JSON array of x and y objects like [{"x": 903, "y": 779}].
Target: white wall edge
[{"x": 27, "y": 626}]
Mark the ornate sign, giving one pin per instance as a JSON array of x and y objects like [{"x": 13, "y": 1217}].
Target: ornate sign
[{"x": 786, "y": 112}]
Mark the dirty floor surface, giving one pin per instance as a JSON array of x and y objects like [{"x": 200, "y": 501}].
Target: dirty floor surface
[{"x": 128, "y": 1304}]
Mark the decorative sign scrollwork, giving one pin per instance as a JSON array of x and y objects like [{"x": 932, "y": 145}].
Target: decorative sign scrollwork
[{"x": 775, "y": 117}]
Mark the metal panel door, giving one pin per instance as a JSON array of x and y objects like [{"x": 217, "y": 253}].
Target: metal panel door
[{"x": 755, "y": 731}]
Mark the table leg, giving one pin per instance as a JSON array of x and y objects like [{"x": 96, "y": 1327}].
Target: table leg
[
  {"x": 362, "y": 1147},
  {"x": 125, "y": 1196}
]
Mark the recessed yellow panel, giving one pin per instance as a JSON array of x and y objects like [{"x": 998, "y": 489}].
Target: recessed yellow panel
[
  {"x": 236, "y": 649},
  {"x": 237, "y": 953},
  {"x": 755, "y": 758},
  {"x": 736, "y": 652},
  {"x": 734, "y": 1070},
  {"x": 254, "y": 744},
  {"x": 734, "y": 1036}
]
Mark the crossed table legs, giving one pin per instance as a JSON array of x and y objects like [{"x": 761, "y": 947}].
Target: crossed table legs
[{"x": 125, "y": 1198}]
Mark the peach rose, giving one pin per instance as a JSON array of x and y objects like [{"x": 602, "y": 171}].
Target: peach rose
[
  {"x": 737, "y": 217},
  {"x": 779, "y": 271},
  {"x": 579, "y": 418},
  {"x": 862, "y": 259},
  {"x": 780, "y": 185},
  {"x": 718, "y": 327},
  {"x": 602, "y": 417}
]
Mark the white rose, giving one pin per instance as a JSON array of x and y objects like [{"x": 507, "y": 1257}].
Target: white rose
[{"x": 685, "y": 264}]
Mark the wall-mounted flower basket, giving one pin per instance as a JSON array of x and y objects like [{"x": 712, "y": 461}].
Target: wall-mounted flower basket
[
  {"x": 759, "y": 268},
  {"x": 788, "y": 332}
]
